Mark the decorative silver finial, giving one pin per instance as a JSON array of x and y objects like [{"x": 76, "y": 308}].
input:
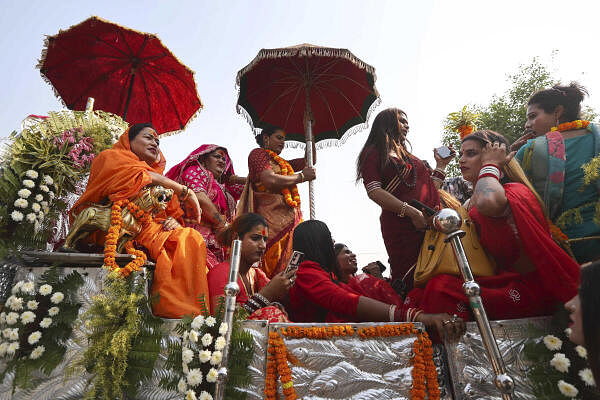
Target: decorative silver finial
[
  {"x": 504, "y": 383},
  {"x": 447, "y": 221}
]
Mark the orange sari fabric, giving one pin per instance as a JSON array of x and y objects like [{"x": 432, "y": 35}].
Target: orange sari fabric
[{"x": 180, "y": 254}]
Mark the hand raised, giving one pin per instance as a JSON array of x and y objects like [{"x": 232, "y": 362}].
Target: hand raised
[{"x": 496, "y": 153}]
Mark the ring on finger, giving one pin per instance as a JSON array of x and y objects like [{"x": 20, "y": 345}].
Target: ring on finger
[
  {"x": 454, "y": 318},
  {"x": 446, "y": 322}
]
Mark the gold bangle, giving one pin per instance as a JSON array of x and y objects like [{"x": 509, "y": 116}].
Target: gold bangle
[
  {"x": 185, "y": 192},
  {"x": 402, "y": 212}
]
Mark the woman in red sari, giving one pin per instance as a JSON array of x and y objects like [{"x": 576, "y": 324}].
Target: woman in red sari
[
  {"x": 534, "y": 273},
  {"x": 392, "y": 177},
  {"x": 208, "y": 172},
  {"x": 258, "y": 295},
  {"x": 318, "y": 295},
  {"x": 271, "y": 192}
]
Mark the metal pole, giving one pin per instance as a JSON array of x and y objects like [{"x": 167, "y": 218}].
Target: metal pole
[
  {"x": 308, "y": 121},
  {"x": 449, "y": 222},
  {"x": 231, "y": 290}
]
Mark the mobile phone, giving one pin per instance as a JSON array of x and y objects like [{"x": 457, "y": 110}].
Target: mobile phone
[
  {"x": 443, "y": 151},
  {"x": 422, "y": 207},
  {"x": 295, "y": 261}
]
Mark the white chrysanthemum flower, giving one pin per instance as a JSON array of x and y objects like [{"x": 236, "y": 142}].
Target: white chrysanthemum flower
[
  {"x": 41, "y": 215},
  {"x": 32, "y": 304},
  {"x": 14, "y": 334},
  {"x": 27, "y": 317},
  {"x": 560, "y": 362},
  {"x": 46, "y": 322},
  {"x": 28, "y": 183},
  {"x": 36, "y": 207},
  {"x": 37, "y": 352},
  {"x": 220, "y": 343},
  {"x": 568, "y": 332},
  {"x": 16, "y": 303},
  {"x": 16, "y": 289},
  {"x": 51, "y": 194},
  {"x": 552, "y": 342},
  {"x": 204, "y": 356},
  {"x": 3, "y": 347},
  {"x": 2, "y": 317},
  {"x": 16, "y": 216},
  {"x": 44, "y": 188},
  {"x": 31, "y": 217},
  {"x": 187, "y": 355},
  {"x": 194, "y": 377},
  {"x": 6, "y": 332},
  {"x": 52, "y": 311},
  {"x": 182, "y": 386},
  {"x": 207, "y": 339},
  {"x": 184, "y": 368},
  {"x": 581, "y": 351},
  {"x": 24, "y": 193},
  {"x": 34, "y": 337},
  {"x": 587, "y": 377},
  {"x": 12, "y": 318},
  {"x": 30, "y": 173},
  {"x": 39, "y": 197},
  {"x": 45, "y": 290},
  {"x": 210, "y": 321},
  {"x": 190, "y": 395},
  {"x": 205, "y": 396},
  {"x": 212, "y": 375},
  {"x": 28, "y": 287},
  {"x": 223, "y": 328},
  {"x": 45, "y": 209},
  {"x": 12, "y": 348},
  {"x": 216, "y": 358},
  {"x": 48, "y": 180},
  {"x": 197, "y": 322},
  {"x": 193, "y": 336},
  {"x": 44, "y": 204},
  {"x": 567, "y": 389},
  {"x": 57, "y": 297},
  {"x": 21, "y": 203}
]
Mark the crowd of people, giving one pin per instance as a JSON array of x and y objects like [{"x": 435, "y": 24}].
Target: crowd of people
[{"x": 530, "y": 221}]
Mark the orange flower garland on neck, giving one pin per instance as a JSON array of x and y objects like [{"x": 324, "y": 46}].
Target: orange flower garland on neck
[
  {"x": 570, "y": 126},
  {"x": 110, "y": 244},
  {"x": 424, "y": 373},
  {"x": 291, "y": 198}
]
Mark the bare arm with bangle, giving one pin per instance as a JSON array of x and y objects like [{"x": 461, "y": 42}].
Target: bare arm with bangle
[
  {"x": 275, "y": 182},
  {"x": 389, "y": 202}
]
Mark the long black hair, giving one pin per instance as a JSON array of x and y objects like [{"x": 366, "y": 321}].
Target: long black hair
[
  {"x": 313, "y": 238},
  {"x": 589, "y": 297},
  {"x": 239, "y": 227},
  {"x": 382, "y": 139},
  {"x": 135, "y": 130},
  {"x": 570, "y": 97}
]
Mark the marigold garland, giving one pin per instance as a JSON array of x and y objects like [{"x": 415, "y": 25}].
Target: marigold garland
[
  {"x": 424, "y": 373},
  {"x": 110, "y": 244},
  {"x": 569, "y": 126},
  {"x": 292, "y": 198}
]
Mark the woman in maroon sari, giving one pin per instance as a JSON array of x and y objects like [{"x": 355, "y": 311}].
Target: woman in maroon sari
[
  {"x": 534, "y": 274},
  {"x": 208, "y": 171},
  {"x": 258, "y": 295},
  {"x": 318, "y": 295},
  {"x": 392, "y": 177}
]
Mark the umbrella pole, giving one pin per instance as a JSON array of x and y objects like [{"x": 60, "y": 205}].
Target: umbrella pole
[
  {"x": 129, "y": 90},
  {"x": 309, "y": 156}
]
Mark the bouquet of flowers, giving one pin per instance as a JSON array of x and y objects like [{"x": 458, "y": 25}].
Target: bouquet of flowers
[
  {"x": 462, "y": 122},
  {"x": 193, "y": 362},
  {"x": 559, "y": 368},
  {"x": 36, "y": 323}
]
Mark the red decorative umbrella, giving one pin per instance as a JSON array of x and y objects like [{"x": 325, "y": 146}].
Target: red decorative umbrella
[
  {"x": 290, "y": 86},
  {"x": 127, "y": 72}
]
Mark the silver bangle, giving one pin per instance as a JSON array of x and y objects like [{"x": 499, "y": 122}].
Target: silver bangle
[
  {"x": 262, "y": 298},
  {"x": 391, "y": 312},
  {"x": 301, "y": 176}
]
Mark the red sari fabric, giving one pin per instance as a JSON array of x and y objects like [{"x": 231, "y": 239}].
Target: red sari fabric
[
  {"x": 509, "y": 294},
  {"x": 402, "y": 240},
  {"x": 375, "y": 288}
]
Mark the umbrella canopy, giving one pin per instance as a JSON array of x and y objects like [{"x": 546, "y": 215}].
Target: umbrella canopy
[
  {"x": 128, "y": 73},
  {"x": 282, "y": 87}
]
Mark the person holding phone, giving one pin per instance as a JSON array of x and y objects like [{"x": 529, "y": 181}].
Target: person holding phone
[
  {"x": 393, "y": 177},
  {"x": 258, "y": 295}
]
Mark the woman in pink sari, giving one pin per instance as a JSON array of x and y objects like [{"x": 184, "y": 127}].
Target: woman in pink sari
[{"x": 208, "y": 171}]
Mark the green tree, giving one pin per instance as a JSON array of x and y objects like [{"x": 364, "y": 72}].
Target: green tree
[{"x": 506, "y": 113}]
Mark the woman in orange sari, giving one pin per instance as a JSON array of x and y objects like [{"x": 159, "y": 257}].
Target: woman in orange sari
[
  {"x": 271, "y": 192},
  {"x": 119, "y": 173}
]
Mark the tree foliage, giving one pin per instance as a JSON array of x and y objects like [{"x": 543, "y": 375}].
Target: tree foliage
[{"x": 506, "y": 113}]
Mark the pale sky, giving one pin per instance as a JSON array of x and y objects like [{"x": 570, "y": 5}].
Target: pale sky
[{"x": 431, "y": 58}]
